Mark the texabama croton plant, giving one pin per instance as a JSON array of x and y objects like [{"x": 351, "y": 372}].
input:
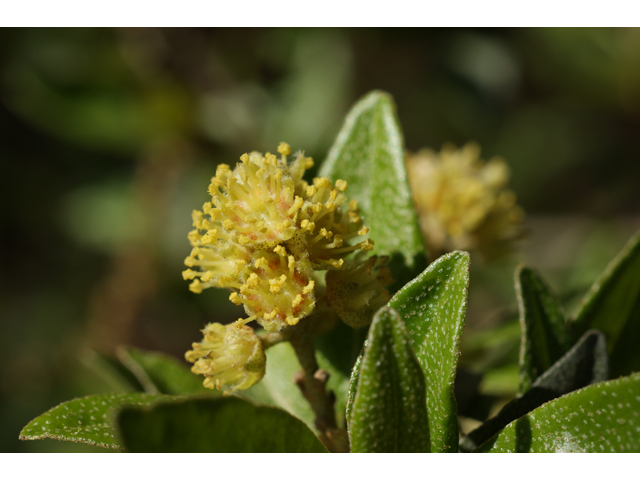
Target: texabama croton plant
[{"x": 265, "y": 235}]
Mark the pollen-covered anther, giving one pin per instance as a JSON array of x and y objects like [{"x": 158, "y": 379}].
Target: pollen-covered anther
[
  {"x": 235, "y": 298},
  {"x": 296, "y": 301},
  {"x": 292, "y": 320},
  {"x": 196, "y": 286},
  {"x": 367, "y": 245},
  {"x": 208, "y": 238},
  {"x": 337, "y": 241},
  {"x": 270, "y": 316},
  {"x": 231, "y": 357},
  {"x": 207, "y": 276},
  {"x": 309, "y": 288},
  {"x": 189, "y": 274},
  {"x": 297, "y": 204},
  {"x": 341, "y": 185},
  {"x": 284, "y": 149},
  {"x": 277, "y": 283}
]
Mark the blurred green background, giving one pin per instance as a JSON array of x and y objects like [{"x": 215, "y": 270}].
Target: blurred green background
[{"x": 108, "y": 139}]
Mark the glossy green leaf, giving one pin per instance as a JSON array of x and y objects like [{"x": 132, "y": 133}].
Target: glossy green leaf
[
  {"x": 202, "y": 425},
  {"x": 389, "y": 412},
  {"x": 612, "y": 305},
  {"x": 160, "y": 373},
  {"x": 86, "y": 420},
  {"x": 277, "y": 388},
  {"x": 544, "y": 334},
  {"x": 599, "y": 418},
  {"x": 433, "y": 308},
  {"x": 585, "y": 364},
  {"x": 369, "y": 155}
]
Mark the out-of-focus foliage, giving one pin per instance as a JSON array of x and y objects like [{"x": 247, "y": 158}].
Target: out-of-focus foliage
[{"x": 106, "y": 136}]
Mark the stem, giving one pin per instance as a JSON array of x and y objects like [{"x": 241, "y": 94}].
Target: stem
[{"x": 311, "y": 380}]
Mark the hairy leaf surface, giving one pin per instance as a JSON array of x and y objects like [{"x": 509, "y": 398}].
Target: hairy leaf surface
[
  {"x": 433, "y": 308},
  {"x": 544, "y": 334},
  {"x": 87, "y": 420},
  {"x": 389, "y": 410},
  {"x": 599, "y": 418},
  {"x": 369, "y": 155},
  {"x": 585, "y": 364}
]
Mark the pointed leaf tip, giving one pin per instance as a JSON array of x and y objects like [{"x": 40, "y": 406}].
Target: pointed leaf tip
[
  {"x": 369, "y": 154},
  {"x": 544, "y": 331},
  {"x": 433, "y": 308}
]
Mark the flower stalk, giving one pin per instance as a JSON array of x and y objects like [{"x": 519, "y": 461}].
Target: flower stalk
[{"x": 312, "y": 382}]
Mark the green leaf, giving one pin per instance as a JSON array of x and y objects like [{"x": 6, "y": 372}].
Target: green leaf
[
  {"x": 585, "y": 364},
  {"x": 118, "y": 377},
  {"x": 369, "y": 154},
  {"x": 277, "y": 388},
  {"x": 351, "y": 392},
  {"x": 544, "y": 334},
  {"x": 226, "y": 425},
  {"x": 389, "y": 412},
  {"x": 160, "y": 373},
  {"x": 86, "y": 420},
  {"x": 612, "y": 305},
  {"x": 164, "y": 374},
  {"x": 598, "y": 418},
  {"x": 433, "y": 308}
]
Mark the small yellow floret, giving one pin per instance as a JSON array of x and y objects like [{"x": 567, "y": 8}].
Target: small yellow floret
[
  {"x": 231, "y": 357},
  {"x": 278, "y": 291}
]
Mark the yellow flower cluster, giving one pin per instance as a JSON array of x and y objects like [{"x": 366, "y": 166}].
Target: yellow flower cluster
[
  {"x": 266, "y": 230},
  {"x": 463, "y": 203},
  {"x": 230, "y": 357}
]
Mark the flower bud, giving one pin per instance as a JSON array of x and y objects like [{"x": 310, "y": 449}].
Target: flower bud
[
  {"x": 356, "y": 293},
  {"x": 231, "y": 357}
]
